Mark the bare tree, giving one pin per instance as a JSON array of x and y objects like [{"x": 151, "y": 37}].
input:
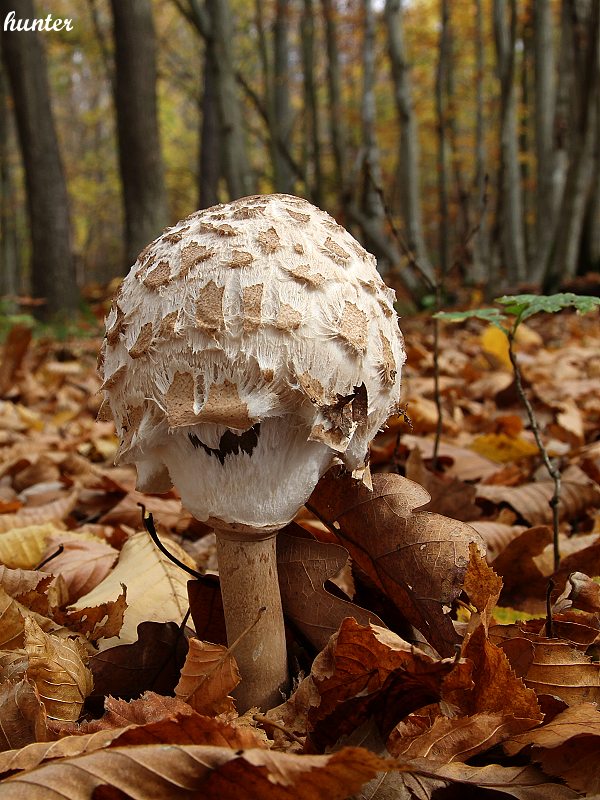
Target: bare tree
[
  {"x": 334, "y": 84},
  {"x": 545, "y": 103},
  {"x": 9, "y": 251},
  {"x": 408, "y": 155},
  {"x": 481, "y": 245},
  {"x": 582, "y": 144},
  {"x": 140, "y": 157},
  {"x": 209, "y": 151},
  {"x": 52, "y": 264},
  {"x": 441, "y": 82},
  {"x": 313, "y": 181},
  {"x": 512, "y": 242},
  {"x": 281, "y": 122}
]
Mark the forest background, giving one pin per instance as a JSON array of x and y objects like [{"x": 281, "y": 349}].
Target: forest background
[{"x": 457, "y": 140}]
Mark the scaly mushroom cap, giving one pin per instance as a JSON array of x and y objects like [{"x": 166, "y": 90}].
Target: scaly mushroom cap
[{"x": 250, "y": 345}]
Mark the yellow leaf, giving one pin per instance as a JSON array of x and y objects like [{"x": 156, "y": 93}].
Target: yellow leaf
[
  {"x": 502, "y": 448},
  {"x": 495, "y": 344},
  {"x": 23, "y": 548},
  {"x": 156, "y": 588},
  {"x": 57, "y": 670}
]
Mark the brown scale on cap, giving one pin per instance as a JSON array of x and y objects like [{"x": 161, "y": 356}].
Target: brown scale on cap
[
  {"x": 143, "y": 342},
  {"x": 252, "y": 303},
  {"x": 209, "y": 308},
  {"x": 159, "y": 276},
  {"x": 268, "y": 240},
  {"x": 239, "y": 258}
]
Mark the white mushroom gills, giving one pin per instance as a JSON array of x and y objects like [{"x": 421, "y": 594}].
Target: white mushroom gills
[{"x": 250, "y": 346}]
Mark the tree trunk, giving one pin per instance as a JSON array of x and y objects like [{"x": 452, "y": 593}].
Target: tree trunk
[
  {"x": 9, "y": 252},
  {"x": 52, "y": 264},
  {"x": 442, "y": 152},
  {"x": 481, "y": 245},
  {"x": 334, "y": 83},
  {"x": 314, "y": 179},
  {"x": 545, "y": 103},
  {"x": 140, "y": 156},
  {"x": 236, "y": 166},
  {"x": 510, "y": 195},
  {"x": 209, "y": 161},
  {"x": 371, "y": 203},
  {"x": 575, "y": 197},
  {"x": 282, "y": 116},
  {"x": 408, "y": 157}
]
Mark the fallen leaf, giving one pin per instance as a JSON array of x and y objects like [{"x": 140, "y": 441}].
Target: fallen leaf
[
  {"x": 154, "y": 662},
  {"x": 156, "y": 587},
  {"x": 83, "y": 563},
  {"x": 57, "y": 671},
  {"x": 190, "y": 771},
  {"x": 417, "y": 558},
  {"x": 304, "y": 565},
  {"x": 22, "y": 715},
  {"x": 208, "y": 677},
  {"x": 449, "y": 495},
  {"x": 532, "y": 500}
]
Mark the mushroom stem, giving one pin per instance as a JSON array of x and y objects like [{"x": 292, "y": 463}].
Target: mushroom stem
[{"x": 248, "y": 575}]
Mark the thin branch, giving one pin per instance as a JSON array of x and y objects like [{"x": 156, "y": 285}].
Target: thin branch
[
  {"x": 148, "y": 522},
  {"x": 552, "y": 469}
]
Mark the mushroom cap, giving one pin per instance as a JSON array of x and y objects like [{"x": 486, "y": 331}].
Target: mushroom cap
[{"x": 250, "y": 345}]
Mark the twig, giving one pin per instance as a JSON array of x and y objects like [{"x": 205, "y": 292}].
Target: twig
[
  {"x": 56, "y": 553},
  {"x": 551, "y": 468},
  {"x": 148, "y": 522},
  {"x": 549, "y": 620},
  {"x": 262, "y": 720}
]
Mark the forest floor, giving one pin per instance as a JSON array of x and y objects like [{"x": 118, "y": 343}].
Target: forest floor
[{"x": 421, "y": 667}]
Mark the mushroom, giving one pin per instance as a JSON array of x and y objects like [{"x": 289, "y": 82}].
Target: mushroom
[{"x": 251, "y": 346}]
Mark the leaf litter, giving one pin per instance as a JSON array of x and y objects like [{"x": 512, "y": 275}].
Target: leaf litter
[{"x": 415, "y": 670}]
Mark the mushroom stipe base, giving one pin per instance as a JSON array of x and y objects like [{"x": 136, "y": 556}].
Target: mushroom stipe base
[{"x": 248, "y": 575}]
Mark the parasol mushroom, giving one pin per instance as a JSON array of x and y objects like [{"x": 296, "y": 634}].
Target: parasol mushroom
[{"x": 250, "y": 346}]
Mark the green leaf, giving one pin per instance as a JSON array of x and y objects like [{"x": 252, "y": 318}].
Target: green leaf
[
  {"x": 492, "y": 315},
  {"x": 524, "y": 306}
]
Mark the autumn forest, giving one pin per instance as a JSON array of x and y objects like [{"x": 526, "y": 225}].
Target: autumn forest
[
  {"x": 456, "y": 140},
  {"x": 299, "y": 399}
]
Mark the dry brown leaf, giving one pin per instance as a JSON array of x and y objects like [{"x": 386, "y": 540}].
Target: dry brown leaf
[
  {"x": 96, "y": 622},
  {"x": 16, "y": 582},
  {"x": 424, "y": 776},
  {"x": 191, "y": 771},
  {"x": 83, "y": 563},
  {"x": 580, "y": 592},
  {"x": 496, "y": 535},
  {"x": 418, "y": 559},
  {"x": 154, "y": 661},
  {"x": 363, "y": 673},
  {"x": 304, "y": 565},
  {"x": 15, "y": 347},
  {"x": 532, "y": 500},
  {"x": 567, "y": 747},
  {"x": 455, "y": 739},
  {"x": 156, "y": 587},
  {"x": 524, "y": 586},
  {"x": 22, "y": 715},
  {"x": 449, "y": 495},
  {"x": 55, "y": 511},
  {"x": 57, "y": 671},
  {"x": 208, "y": 677},
  {"x": 465, "y": 463}
]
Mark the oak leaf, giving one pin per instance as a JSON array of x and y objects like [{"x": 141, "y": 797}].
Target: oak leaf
[{"x": 417, "y": 558}]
